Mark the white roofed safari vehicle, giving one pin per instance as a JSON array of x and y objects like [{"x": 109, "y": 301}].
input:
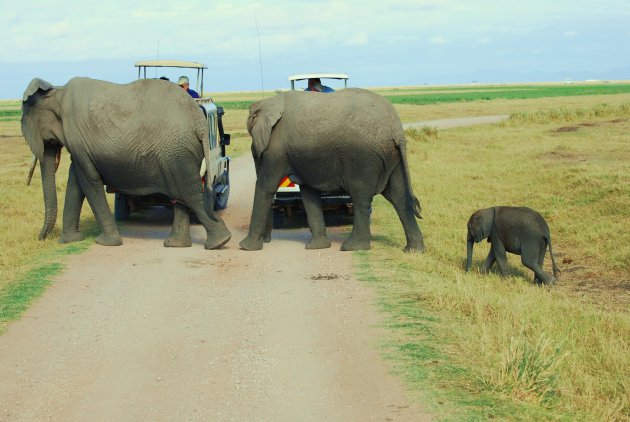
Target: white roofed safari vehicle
[
  {"x": 288, "y": 198},
  {"x": 219, "y": 166}
]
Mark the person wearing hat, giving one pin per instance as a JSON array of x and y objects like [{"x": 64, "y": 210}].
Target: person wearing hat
[
  {"x": 315, "y": 85},
  {"x": 184, "y": 83}
]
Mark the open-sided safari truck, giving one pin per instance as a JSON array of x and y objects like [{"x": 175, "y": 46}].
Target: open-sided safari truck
[
  {"x": 288, "y": 198},
  {"x": 219, "y": 166}
]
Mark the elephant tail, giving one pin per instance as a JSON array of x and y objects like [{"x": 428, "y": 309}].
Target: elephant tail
[
  {"x": 411, "y": 198},
  {"x": 202, "y": 135},
  {"x": 555, "y": 268}
]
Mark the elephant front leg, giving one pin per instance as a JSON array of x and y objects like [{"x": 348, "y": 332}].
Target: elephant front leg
[
  {"x": 268, "y": 227},
  {"x": 259, "y": 220},
  {"x": 312, "y": 201},
  {"x": 94, "y": 191},
  {"x": 180, "y": 233},
  {"x": 489, "y": 262},
  {"x": 500, "y": 255},
  {"x": 72, "y": 209},
  {"x": 359, "y": 239}
]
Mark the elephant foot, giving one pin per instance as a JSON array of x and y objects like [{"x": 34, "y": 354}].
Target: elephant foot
[
  {"x": 548, "y": 282},
  {"x": 351, "y": 244},
  {"x": 417, "y": 248},
  {"x": 216, "y": 241},
  {"x": 109, "y": 240},
  {"x": 178, "y": 242},
  {"x": 318, "y": 243},
  {"x": 71, "y": 236},
  {"x": 267, "y": 237},
  {"x": 250, "y": 244}
]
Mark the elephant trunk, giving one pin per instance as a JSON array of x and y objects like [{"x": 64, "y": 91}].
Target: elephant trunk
[
  {"x": 48, "y": 167},
  {"x": 469, "y": 252}
]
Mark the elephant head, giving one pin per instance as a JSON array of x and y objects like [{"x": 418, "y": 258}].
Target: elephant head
[
  {"x": 263, "y": 115},
  {"x": 42, "y": 129},
  {"x": 479, "y": 228}
]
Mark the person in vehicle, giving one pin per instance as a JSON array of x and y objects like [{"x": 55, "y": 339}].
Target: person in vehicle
[
  {"x": 185, "y": 83},
  {"x": 315, "y": 85}
]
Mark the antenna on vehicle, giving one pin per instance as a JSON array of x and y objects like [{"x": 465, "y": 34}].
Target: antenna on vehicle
[
  {"x": 262, "y": 80},
  {"x": 157, "y": 56}
]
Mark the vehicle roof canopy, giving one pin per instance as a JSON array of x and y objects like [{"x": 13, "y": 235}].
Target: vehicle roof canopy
[
  {"x": 301, "y": 76},
  {"x": 144, "y": 64},
  {"x": 170, "y": 63}
]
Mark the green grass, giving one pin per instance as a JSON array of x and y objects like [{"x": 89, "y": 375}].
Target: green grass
[
  {"x": 10, "y": 114},
  {"x": 16, "y": 297},
  {"x": 235, "y": 105},
  {"x": 510, "y": 92},
  {"x": 481, "y": 347},
  {"x": 440, "y": 95},
  {"x": 476, "y": 347}
]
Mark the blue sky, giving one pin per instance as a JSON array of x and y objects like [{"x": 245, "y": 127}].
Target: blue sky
[{"x": 378, "y": 43}]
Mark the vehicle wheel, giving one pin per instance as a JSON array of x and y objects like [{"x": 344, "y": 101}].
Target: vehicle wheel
[
  {"x": 121, "y": 207},
  {"x": 221, "y": 198},
  {"x": 277, "y": 219}
]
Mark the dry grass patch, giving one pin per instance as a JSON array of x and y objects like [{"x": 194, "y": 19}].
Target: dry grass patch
[{"x": 505, "y": 348}]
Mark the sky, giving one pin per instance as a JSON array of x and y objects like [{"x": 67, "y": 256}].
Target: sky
[{"x": 256, "y": 45}]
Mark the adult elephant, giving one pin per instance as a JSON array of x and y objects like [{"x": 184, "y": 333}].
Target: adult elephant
[
  {"x": 348, "y": 141},
  {"x": 144, "y": 137}
]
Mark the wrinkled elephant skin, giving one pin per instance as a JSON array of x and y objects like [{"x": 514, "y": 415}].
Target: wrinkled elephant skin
[
  {"x": 347, "y": 141},
  {"x": 141, "y": 138}
]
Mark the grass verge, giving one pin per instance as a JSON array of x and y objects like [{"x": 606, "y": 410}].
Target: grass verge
[
  {"x": 17, "y": 296},
  {"x": 480, "y": 347}
]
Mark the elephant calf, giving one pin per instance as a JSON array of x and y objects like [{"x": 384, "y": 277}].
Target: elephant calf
[{"x": 518, "y": 230}]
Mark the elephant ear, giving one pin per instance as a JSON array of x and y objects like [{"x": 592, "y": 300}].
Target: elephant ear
[
  {"x": 263, "y": 115},
  {"x": 30, "y": 122},
  {"x": 484, "y": 224},
  {"x": 35, "y": 85}
]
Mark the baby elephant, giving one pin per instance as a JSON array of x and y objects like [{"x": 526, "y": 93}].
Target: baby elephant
[{"x": 518, "y": 230}]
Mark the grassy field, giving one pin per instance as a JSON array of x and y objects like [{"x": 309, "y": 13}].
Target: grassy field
[
  {"x": 457, "y": 94},
  {"x": 480, "y": 347},
  {"x": 474, "y": 347}
]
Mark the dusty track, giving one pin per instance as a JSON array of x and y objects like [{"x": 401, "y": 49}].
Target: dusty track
[{"x": 141, "y": 332}]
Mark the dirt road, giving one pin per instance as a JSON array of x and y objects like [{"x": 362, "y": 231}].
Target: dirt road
[
  {"x": 141, "y": 332},
  {"x": 462, "y": 121}
]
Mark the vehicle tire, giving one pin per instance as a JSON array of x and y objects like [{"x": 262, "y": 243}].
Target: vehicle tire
[
  {"x": 278, "y": 219},
  {"x": 121, "y": 207},
  {"x": 221, "y": 199}
]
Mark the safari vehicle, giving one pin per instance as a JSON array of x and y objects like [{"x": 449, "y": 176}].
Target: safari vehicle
[
  {"x": 219, "y": 166},
  {"x": 288, "y": 198}
]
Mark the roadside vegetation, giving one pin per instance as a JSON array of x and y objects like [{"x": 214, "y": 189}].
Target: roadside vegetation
[
  {"x": 474, "y": 347},
  {"x": 481, "y": 347}
]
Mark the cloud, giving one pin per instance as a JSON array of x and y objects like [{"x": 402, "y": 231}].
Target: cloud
[
  {"x": 360, "y": 38},
  {"x": 570, "y": 34},
  {"x": 439, "y": 40}
]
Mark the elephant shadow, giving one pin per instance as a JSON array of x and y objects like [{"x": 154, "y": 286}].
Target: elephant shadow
[
  {"x": 152, "y": 222},
  {"x": 387, "y": 241},
  {"x": 515, "y": 270},
  {"x": 331, "y": 219}
]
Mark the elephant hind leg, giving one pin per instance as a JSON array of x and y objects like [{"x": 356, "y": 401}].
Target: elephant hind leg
[
  {"x": 397, "y": 194},
  {"x": 533, "y": 258},
  {"x": 180, "y": 233},
  {"x": 216, "y": 230},
  {"x": 359, "y": 239},
  {"x": 312, "y": 201}
]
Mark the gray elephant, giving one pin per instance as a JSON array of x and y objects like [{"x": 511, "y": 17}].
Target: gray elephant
[
  {"x": 144, "y": 137},
  {"x": 518, "y": 230},
  {"x": 348, "y": 141}
]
